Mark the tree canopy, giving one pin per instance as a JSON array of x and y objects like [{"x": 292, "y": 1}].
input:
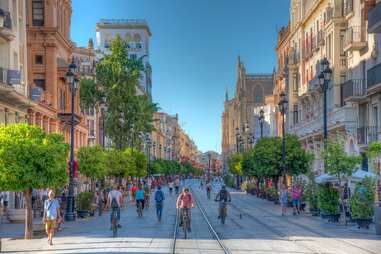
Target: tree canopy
[
  {"x": 31, "y": 159},
  {"x": 128, "y": 114},
  {"x": 92, "y": 162}
]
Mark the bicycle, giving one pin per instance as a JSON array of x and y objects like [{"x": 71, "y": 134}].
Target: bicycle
[
  {"x": 223, "y": 211},
  {"x": 185, "y": 221},
  {"x": 147, "y": 200},
  {"x": 139, "y": 208},
  {"x": 114, "y": 222}
]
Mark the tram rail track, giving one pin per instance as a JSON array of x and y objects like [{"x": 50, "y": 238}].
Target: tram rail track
[{"x": 212, "y": 230}]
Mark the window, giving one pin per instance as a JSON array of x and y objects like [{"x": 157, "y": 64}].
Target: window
[
  {"x": 40, "y": 83},
  {"x": 133, "y": 56},
  {"x": 258, "y": 94},
  {"x": 38, "y": 59},
  {"x": 38, "y": 12},
  {"x": 62, "y": 100},
  {"x": 342, "y": 33}
]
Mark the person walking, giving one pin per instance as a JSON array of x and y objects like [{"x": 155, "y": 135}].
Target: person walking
[
  {"x": 51, "y": 214},
  {"x": 170, "y": 186},
  {"x": 296, "y": 194},
  {"x": 283, "y": 200},
  {"x": 177, "y": 185},
  {"x": 159, "y": 199}
]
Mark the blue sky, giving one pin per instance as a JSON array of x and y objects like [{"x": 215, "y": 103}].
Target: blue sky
[{"x": 194, "y": 47}]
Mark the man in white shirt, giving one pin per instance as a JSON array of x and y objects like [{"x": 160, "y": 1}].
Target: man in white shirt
[{"x": 114, "y": 200}]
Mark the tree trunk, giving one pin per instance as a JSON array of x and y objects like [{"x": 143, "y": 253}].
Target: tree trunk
[
  {"x": 92, "y": 184},
  {"x": 258, "y": 180},
  {"x": 342, "y": 201},
  {"x": 28, "y": 215}
]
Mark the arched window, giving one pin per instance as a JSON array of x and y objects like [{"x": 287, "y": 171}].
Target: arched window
[
  {"x": 128, "y": 37},
  {"x": 258, "y": 94},
  {"x": 137, "y": 38}
]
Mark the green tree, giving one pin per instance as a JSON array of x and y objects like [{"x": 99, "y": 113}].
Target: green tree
[
  {"x": 340, "y": 164},
  {"x": 92, "y": 163},
  {"x": 374, "y": 153},
  {"x": 128, "y": 114},
  {"x": 31, "y": 159},
  {"x": 139, "y": 168},
  {"x": 235, "y": 164},
  {"x": 120, "y": 164}
]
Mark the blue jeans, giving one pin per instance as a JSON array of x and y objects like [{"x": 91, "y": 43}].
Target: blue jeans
[
  {"x": 117, "y": 215},
  {"x": 159, "y": 210}
]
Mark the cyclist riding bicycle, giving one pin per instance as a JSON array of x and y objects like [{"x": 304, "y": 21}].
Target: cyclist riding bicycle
[
  {"x": 147, "y": 195},
  {"x": 139, "y": 195},
  {"x": 114, "y": 200},
  {"x": 208, "y": 189},
  {"x": 185, "y": 203},
  {"x": 222, "y": 197}
]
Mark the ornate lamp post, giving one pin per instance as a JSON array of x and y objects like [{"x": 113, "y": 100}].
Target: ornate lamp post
[
  {"x": 160, "y": 154},
  {"x": 154, "y": 150},
  {"x": 324, "y": 79},
  {"x": 261, "y": 120},
  {"x": 282, "y": 108},
  {"x": 73, "y": 82}
]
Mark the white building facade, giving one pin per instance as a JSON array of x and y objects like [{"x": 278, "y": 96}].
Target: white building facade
[{"x": 137, "y": 35}]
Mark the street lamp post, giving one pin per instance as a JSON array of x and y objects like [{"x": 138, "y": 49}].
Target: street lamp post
[
  {"x": 324, "y": 79},
  {"x": 73, "y": 82},
  {"x": 261, "y": 120},
  {"x": 154, "y": 150},
  {"x": 282, "y": 108}
]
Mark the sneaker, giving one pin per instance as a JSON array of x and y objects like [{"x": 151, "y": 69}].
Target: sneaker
[{"x": 119, "y": 226}]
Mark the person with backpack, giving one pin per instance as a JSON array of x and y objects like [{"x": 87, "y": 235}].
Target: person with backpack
[
  {"x": 222, "y": 197},
  {"x": 114, "y": 200},
  {"x": 159, "y": 199}
]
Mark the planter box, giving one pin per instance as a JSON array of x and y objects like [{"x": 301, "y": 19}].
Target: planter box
[
  {"x": 363, "y": 223},
  {"x": 83, "y": 214},
  {"x": 314, "y": 211},
  {"x": 333, "y": 218}
]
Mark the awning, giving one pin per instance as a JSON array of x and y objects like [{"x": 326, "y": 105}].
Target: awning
[
  {"x": 361, "y": 174},
  {"x": 326, "y": 178}
]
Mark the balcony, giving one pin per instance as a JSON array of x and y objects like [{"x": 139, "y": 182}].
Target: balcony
[
  {"x": 343, "y": 116},
  {"x": 39, "y": 95},
  {"x": 374, "y": 19},
  {"x": 6, "y": 32},
  {"x": 366, "y": 135},
  {"x": 294, "y": 57},
  {"x": 355, "y": 38},
  {"x": 320, "y": 38},
  {"x": 348, "y": 7},
  {"x": 374, "y": 77},
  {"x": 353, "y": 90}
]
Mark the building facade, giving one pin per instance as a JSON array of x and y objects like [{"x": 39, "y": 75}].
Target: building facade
[
  {"x": 13, "y": 63},
  {"x": 137, "y": 35},
  {"x": 49, "y": 54},
  {"x": 84, "y": 57},
  {"x": 238, "y": 118}
]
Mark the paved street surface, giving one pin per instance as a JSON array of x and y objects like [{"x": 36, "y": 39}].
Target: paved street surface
[{"x": 253, "y": 226}]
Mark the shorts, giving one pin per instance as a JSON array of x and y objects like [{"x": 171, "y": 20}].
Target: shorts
[
  {"x": 50, "y": 224},
  {"x": 296, "y": 202}
]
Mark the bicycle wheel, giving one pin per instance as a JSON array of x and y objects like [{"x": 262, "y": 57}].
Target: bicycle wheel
[
  {"x": 223, "y": 216},
  {"x": 185, "y": 227}
]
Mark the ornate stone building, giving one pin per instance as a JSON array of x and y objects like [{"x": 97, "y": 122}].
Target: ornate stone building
[
  {"x": 13, "y": 63},
  {"x": 49, "y": 53},
  {"x": 238, "y": 116}
]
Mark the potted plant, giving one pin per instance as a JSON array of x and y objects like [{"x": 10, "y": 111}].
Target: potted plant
[
  {"x": 362, "y": 202},
  {"x": 84, "y": 203},
  {"x": 310, "y": 194},
  {"x": 328, "y": 201}
]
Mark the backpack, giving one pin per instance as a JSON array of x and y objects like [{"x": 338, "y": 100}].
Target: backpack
[
  {"x": 159, "y": 197},
  {"x": 114, "y": 202},
  {"x": 223, "y": 195}
]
